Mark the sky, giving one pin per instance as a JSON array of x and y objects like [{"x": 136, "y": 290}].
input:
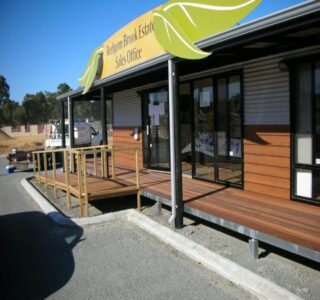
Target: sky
[{"x": 46, "y": 42}]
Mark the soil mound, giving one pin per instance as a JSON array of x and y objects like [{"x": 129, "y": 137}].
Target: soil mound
[{"x": 4, "y": 136}]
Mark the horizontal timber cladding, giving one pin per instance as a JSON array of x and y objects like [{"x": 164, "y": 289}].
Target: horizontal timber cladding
[
  {"x": 124, "y": 137},
  {"x": 267, "y": 160},
  {"x": 127, "y": 117},
  {"x": 266, "y": 93},
  {"x": 127, "y": 108}
]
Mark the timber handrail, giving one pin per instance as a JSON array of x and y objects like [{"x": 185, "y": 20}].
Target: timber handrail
[{"x": 75, "y": 162}]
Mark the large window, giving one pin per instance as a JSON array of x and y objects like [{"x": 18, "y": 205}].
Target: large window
[
  {"x": 229, "y": 130},
  {"x": 186, "y": 126},
  {"x": 203, "y": 129},
  {"x": 211, "y": 129},
  {"x": 218, "y": 129},
  {"x": 306, "y": 131}
]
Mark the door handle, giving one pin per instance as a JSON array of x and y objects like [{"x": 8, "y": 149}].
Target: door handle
[{"x": 148, "y": 130}]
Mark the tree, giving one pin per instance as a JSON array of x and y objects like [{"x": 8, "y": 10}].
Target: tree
[
  {"x": 36, "y": 108},
  {"x": 53, "y": 103},
  {"x": 8, "y": 106},
  {"x": 4, "y": 90},
  {"x": 63, "y": 88},
  {"x": 19, "y": 115}
]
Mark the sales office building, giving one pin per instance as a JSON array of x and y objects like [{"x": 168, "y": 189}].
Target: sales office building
[{"x": 249, "y": 116}]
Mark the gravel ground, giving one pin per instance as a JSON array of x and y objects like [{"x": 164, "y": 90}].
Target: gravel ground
[{"x": 298, "y": 275}]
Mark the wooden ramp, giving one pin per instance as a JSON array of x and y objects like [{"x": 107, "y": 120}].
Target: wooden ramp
[
  {"x": 97, "y": 188},
  {"x": 76, "y": 179}
]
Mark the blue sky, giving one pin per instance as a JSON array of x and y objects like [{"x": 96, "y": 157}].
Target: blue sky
[{"x": 47, "y": 42}]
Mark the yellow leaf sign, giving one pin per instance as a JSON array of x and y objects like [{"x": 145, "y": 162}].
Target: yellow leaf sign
[
  {"x": 179, "y": 24},
  {"x": 91, "y": 69}
]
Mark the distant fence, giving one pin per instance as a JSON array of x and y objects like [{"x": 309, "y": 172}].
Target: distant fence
[{"x": 24, "y": 130}]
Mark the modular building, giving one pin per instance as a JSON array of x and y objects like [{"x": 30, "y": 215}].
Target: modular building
[{"x": 248, "y": 117}]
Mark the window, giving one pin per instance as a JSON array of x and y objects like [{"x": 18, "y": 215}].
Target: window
[
  {"x": 211, "y": 126},
  {"x": 218, "y": 129},
  {"x": 306, "y": 131},
  {"x": 203, "y": 129},
  {"x": 229, "y": 130}
]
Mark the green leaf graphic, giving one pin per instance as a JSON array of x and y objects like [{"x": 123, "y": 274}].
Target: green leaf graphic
[
  {"x": 179, "y": 24},
  {"x": 170, "y": 34},
  {"x": 91, "y": 69}
]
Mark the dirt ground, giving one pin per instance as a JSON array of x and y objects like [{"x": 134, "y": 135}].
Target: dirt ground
[{"x": 21, "y": 143}]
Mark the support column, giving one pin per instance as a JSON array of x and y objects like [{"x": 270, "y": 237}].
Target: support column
[
  {"x": 71, "y": 122},
  {"x": 253, "y": 249},
  {"x": 63, "y": 130},
  {"x": 175, "y": 146},
  {"x": 103, "y": 117},
  {"x": 158, "y": 208},
  {"x": 104, "y": 132}
]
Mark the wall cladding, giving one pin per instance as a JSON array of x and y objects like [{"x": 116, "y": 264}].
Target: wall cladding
[
  {"x": 266, "y": 93},
  {"x": 267, "y": 130},
  {"x": 267, "y": 160},
  {"x": 127, "y": 116},
  {"x": 127, "y": 108},
  {"x": 123, "y": 137}
]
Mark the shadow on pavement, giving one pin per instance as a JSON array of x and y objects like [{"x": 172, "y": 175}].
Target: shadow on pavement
[{"x": 36, "y": 256}]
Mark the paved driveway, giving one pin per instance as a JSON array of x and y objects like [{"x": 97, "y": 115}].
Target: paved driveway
[{"x": 39, "y": 259}]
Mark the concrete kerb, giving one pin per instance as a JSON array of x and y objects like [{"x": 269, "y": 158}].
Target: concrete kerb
[{"x": 253, "y": 283}]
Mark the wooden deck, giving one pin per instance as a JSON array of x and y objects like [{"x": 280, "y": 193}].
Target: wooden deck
[
  {"x": 292, "y": 222},
  {"x": 286, "y": 224}
]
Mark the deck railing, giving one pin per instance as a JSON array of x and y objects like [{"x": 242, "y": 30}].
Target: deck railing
[{"x": 74, "y": 177}]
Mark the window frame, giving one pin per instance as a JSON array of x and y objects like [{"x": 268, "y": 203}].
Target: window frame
[
  {"x": 293, "y": 121},
  {"x": 215, "y": 78}
]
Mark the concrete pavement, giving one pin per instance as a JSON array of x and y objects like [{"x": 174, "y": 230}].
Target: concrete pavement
[
  {"x": 117, "y": 260},
  {"x": 253, "y": 283}
]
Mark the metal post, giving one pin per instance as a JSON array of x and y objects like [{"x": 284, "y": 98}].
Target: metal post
[
  {"x": 63, "y": 130},
  {"x": 175, "y": 146},
  {"x": 104, "y": 128},
  {"x": 158, "y": 208},
  {"x": 71, "y": 122},
  {"x": 253, "y": 249},
  {"x": 103, "y": 117}
]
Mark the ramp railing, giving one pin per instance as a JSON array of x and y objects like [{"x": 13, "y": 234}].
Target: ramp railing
[{"x": 74, "y": 171}]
